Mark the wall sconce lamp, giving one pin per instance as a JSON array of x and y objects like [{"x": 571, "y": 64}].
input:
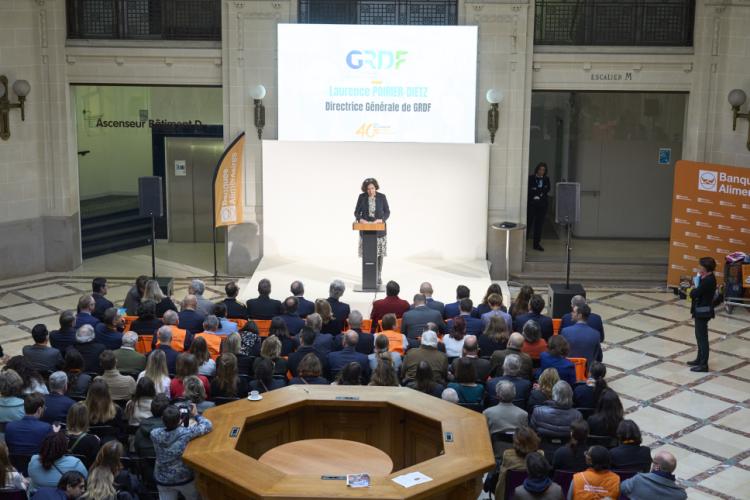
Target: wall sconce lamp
[
  {"x": 736, "y": 99},
  {"x": 494, "y": 97},
  {"x": 258, "y": 93},
  {"x": 21, "y": 88}
]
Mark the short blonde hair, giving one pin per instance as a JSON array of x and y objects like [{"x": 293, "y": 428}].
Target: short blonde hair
[{"x": 271, "y": 348}]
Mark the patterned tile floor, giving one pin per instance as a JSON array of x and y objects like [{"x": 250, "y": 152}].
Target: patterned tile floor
[{"x": 703, "y": 419}]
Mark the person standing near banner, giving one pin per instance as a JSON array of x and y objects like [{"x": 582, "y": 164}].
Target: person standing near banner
[
  {"x": 536, "y": 210},
  {"x": 372, "y": 206},
  {"x": 702, "y": 310}
]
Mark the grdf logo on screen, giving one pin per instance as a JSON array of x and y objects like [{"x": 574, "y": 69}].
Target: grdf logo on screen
[{"x": 376, "y": 59}]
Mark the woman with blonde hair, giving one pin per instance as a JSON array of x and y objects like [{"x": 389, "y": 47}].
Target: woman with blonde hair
[
  {"x": 11, "y": 478},
  {"x": 157, "y": 371},
  {"x": 80, "y": 442},
  {"x": 108, "y": 477},
  {"x": 163, "y": 302},
  {"x": 542, "y": 391},
  {"x": 271, "y": 349},
  {"x": 102, "y": 411},
  {"x": 384, "y": 374},
  {"x": 206, "y": 365},
  {"x": 196, "y": 393},
  {"x": 233, "y": 345},
  {"x": 323, "y": 307}
]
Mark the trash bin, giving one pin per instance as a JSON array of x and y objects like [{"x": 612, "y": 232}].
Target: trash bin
[{"x": 505, "y": 249}]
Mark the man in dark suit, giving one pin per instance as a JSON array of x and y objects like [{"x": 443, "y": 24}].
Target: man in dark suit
[
  {"x": 189, "y": 318},
  {"x": 56, "y": 403},
  {"x": 512, "y": 373},
  {"x": 25, "y": 436},
  {"x": 366, "y": 340},
  {"x": 304, "y": 306},
  {"x": 263, "y": 307},
  {"x": 339, "y": 309},
  {"x": 293, "y": 322},
  {"x": 323, "y": 342},
  {"x": 42, "y": 357},
  {"x": 165, "y": 340},
  {"x": 99, "y": 288},
  {"x": 234, "y": 309},
  {"x": 471, "y": 351},
  {"x": 89, "y": 348},
  {"x": 426, "y": 290},
  {"x": 337, "y": 360},
  {"x": 515, "y": 344},
  {"x": 390, "y": 304},
  {"x": 536, "y": 306},
  {"x": 473, "y": 325},
  {"x": 415, "y": 321},
  {"x": 84, "y": 316},
  {"x": 307, "y": 339},
  {"x": 454, "y": 308},
  {"x": 594, "y": 321},
  {"x": 66, "y": 336},
  {"x": 583, "y": 340}
]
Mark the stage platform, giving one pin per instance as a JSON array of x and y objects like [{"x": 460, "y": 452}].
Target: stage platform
[{"x": 317, "y": 275}]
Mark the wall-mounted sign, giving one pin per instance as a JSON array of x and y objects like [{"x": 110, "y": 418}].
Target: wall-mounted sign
[
  {"x": 665, "y": 156},
  {"x": 141, "y": 124},
  {"x": 180, "y": 168},
  {"x": 616, "y": 76}
]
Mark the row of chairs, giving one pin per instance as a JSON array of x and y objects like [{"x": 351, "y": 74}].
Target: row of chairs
[{"x": 515, "y": 478}]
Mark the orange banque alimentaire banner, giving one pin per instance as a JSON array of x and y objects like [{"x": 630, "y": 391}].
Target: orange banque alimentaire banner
[
  {"x": 710, "y": 216},
  {"x": 229, "y": 197}
]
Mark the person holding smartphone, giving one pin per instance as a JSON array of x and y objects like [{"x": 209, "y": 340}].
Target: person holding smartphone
[{"x": 702, "y": 310}]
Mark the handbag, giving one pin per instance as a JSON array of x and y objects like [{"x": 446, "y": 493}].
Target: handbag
[{"x": 703, "y": 312}]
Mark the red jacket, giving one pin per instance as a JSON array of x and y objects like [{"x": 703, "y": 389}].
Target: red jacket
[{"x": 387, "y": 305}]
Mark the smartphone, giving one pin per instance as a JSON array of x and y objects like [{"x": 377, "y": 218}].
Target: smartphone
[{"x": 185, "y": 416}]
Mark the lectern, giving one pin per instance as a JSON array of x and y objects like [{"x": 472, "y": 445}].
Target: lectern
[{"x": 369, "y": 231}]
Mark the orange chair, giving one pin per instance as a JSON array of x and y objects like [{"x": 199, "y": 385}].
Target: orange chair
[
  {"x": 128, "y": 320},
  {"x": 239, "y": 321},
  {"x": 366, "y": 325},
  {"x": 556, "y": 322},
  {"x": 264, "y": 325},
  {"x": 144, "y": 344},
  {"x": 580, "y": 364}
]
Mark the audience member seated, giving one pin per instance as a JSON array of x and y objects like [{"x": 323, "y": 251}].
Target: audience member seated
[
  {"x": 557, "y": 357},
  {"x": 195, "y": 393},
  {"x": 11, "y": 403},
  {"x": 233, "y": 345},
  {"x": 158, "y": 371},
  {"x": 609, "y": 414},
  {"x": 542, "y": 391},
  {"x": 597, "y": 481},
  {"x": 139, "y": 406},
  {"x": 271, "y": 350},
  {"x": 32, "y": 380},
  {"x": 555, "y": 418},
  {"x": 234, "y": 308},
  {"x": 470, "y": 351},
  {"x": 427, "y": 351},
  {"x": 89, "y": 348},
  {"x": 536, "y": 306},
  {"x": 84, "y": 316},
  {"x": 630, "y": 454},
  {"x": 337, "y": 360},
  {"x": 424, "y": 381},
  {"x": 24, "y": 436},
  {"x": 484, "y": 306},
  {"x": 147, "y": 323},
  {"x": 189, "y": 318},
  {"x": 426, "y": 290},
  {"x": 309, "y": 371},
  {"x": 109, "y": 330},
  {"x": 525, "y": 441},
  {"x": 465, "y": 383},
  {"x": 391, "y": 303},
  {"x": 80, "y": 442},
  {"x": 538, "y": 485},
  {"x": 494, "y": 337},
  {"x": 181, "y": 338},
  {"x": 202, "y": 305},
  {"x": 474, "y": 325},
  {"x": 511, "y": 373},
  {"x": 382, "y": 348},
  {"x": 263, "y": 307},
  {"x": 414, "y": 321},
  {"x": 172, "y": 476},
  {"x": 211, "y": 338},
  {"x": 264, "y": 380},
  {"x": 351, "y": 374},
  {"x": 250, "y": 340},
  {"x": 78, "y": 380},
  {"x": 108, "y": 477},
  {"x": 384, "y": 375},
  {"x": 571, "y": 457},
  {"x": 121, "y": 387},
  {"x": 449, "y": 395},
  {"x": 659, "y": 483},
  {"x": 187, "y": 366},
  {"x": 594, "y": 320},
  {"x": 339, "y": 309},
  {"x": 328, "y": 324},
  {"x": 533, "y": 343},
  {"x": 454, "y": 308},
  {"x": 279, "y": 330},
  {"x": 454, "y": 341},
  {"x": 225, "y": 326},
  {"x": 72, "y": 485},
  {"x": 586, "y": 395},
  {"x": 583, "y": 340},
  {"x": 66, "y": 336},
  {"x": 134, "y": 295},
  {"x": 102, "y": 410},
  {"x": 515, "y": 344},
  {"x": 47, "y": 467},
  {"x": 496, "y": 309},
  {"x": 505, "y": 416},
  {"x": 142, "y": 443},
  {"x": 304, "y": 306},
  {"x": 42, "y": 357},
  {"x": 56, "y": 403},
  {"x": 12, "y": 479},
  {"x": 290, "y": 317},
  {"x": 323, "y": 341},
  {"x": 307, "y": 339},
  {"x": 206, "y": 365},
  {"x": 366, "y": 339},
  {"x": 227, "y": 383},
  {"x": 396, "y": 340},
  {"x": 98, "y": 292}
]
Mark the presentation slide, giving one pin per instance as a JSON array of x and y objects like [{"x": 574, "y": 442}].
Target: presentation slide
[{"x": 377, "y": 83}]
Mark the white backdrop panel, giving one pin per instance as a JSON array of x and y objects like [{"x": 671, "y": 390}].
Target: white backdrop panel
[{"x": 437, "y": 195}]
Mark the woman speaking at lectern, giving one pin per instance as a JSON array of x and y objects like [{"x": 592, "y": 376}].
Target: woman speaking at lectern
[{"x": 373, "y": 207}]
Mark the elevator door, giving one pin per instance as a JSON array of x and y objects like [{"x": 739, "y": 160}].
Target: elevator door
[{"x": 190, "y": 163}]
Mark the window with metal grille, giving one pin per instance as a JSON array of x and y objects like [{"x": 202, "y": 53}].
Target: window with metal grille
[{"x": 415, "y": 12}]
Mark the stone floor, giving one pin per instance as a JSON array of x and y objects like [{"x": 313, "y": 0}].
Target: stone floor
[{"x": 702, "y": 418}]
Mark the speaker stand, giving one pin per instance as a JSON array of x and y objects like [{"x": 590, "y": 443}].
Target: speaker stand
[
  {"x": 153, "y": 246},
  {"x": 567, "y": 252}
]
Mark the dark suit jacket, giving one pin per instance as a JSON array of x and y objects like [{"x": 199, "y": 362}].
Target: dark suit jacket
[
  {"x": 304, "y": 307},
  {"x": 146, "y": 327},
  {"x": 85, "y": 319},
  {"x": 324, "y": 343},
  {"x": 171, "y": 355},
  {"x": 62, "y": 339},
  {"x": 535, "y": 190},
  {"x": 293, "y": 323},
  {"x": 365, "y": 344},
  {"x": 584, "y": 342},
  {"x": 436, "y": 305},
  {"x": 26, "y": 435},
  {"x": 454, "y": 309},
  {"x": 263, "y": 307},
  {"x": 414, "y": 321},
  {"x": 703, "y": 294},
  {"x": 43, "y": 358},
  {"x": 340, "y": 314},
  {"x": 111, "y": 339},
  {"x": 545, "y": 323},
  {"x": 190, "y": 320},
  {"x": 295, "y": 358},
  {"x": 56, "y": 408},
  {"x": 385, "y": 306},
  {"x": 337, "y": 360},
  {"x": 481, "y": 367},
  {"x": 90, "y": 352},
  {"x": 235, "y": 309},
  {"x": 523, "y": 389},
  {"x": 594, "y": 321},
  {"x": 382, "y": 211},
  {"x": 473, "y": 325},
  {"x": 101, "y": 305}
]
